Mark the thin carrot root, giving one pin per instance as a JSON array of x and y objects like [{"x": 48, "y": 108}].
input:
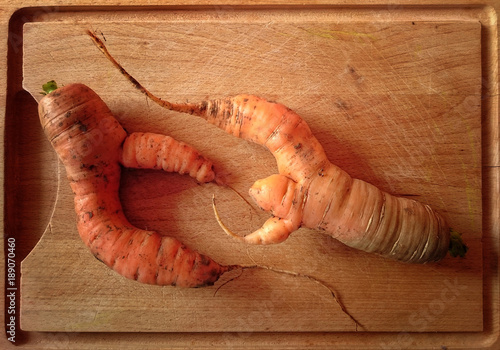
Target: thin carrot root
[
  {"x": 240, "y": 196},
  {"x": 137, "y": 85},
  {"x": 221, "y": 224},
  {"x": 310, "y": 191},
  {"x": 297, "y": 275}
]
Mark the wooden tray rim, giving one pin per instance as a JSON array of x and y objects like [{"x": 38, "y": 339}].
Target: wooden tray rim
[{"x": 487, "y": 338}]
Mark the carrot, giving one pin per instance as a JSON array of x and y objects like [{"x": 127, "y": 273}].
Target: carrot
[
  {"x": 92, "y": 146},
  {"x": 310, "y": 191},
  {"x": 154, "y": 151}
]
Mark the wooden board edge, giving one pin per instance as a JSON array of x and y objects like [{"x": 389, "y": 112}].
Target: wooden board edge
[{"x": 488, "y": 339}]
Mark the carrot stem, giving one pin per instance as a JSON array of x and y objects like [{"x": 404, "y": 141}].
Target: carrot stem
[
  {"x": 457, "y": 245},
  {"x": 48, "y": 87}
]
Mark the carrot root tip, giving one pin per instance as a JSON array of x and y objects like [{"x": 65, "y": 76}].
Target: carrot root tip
[
  {"x": 293, "y": 274},
  {"x": 221, "y": 224}
]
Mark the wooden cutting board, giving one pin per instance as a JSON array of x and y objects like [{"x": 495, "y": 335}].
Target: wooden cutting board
[
  {"x": 395, "y": 101},
  {"x": 397, "y": 105}
]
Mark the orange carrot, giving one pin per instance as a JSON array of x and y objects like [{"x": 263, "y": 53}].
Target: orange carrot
[
  {"x": 91, "y": 144},
  {"x": 312, "y": 192},
  {"x": 154, "y": 151}
]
